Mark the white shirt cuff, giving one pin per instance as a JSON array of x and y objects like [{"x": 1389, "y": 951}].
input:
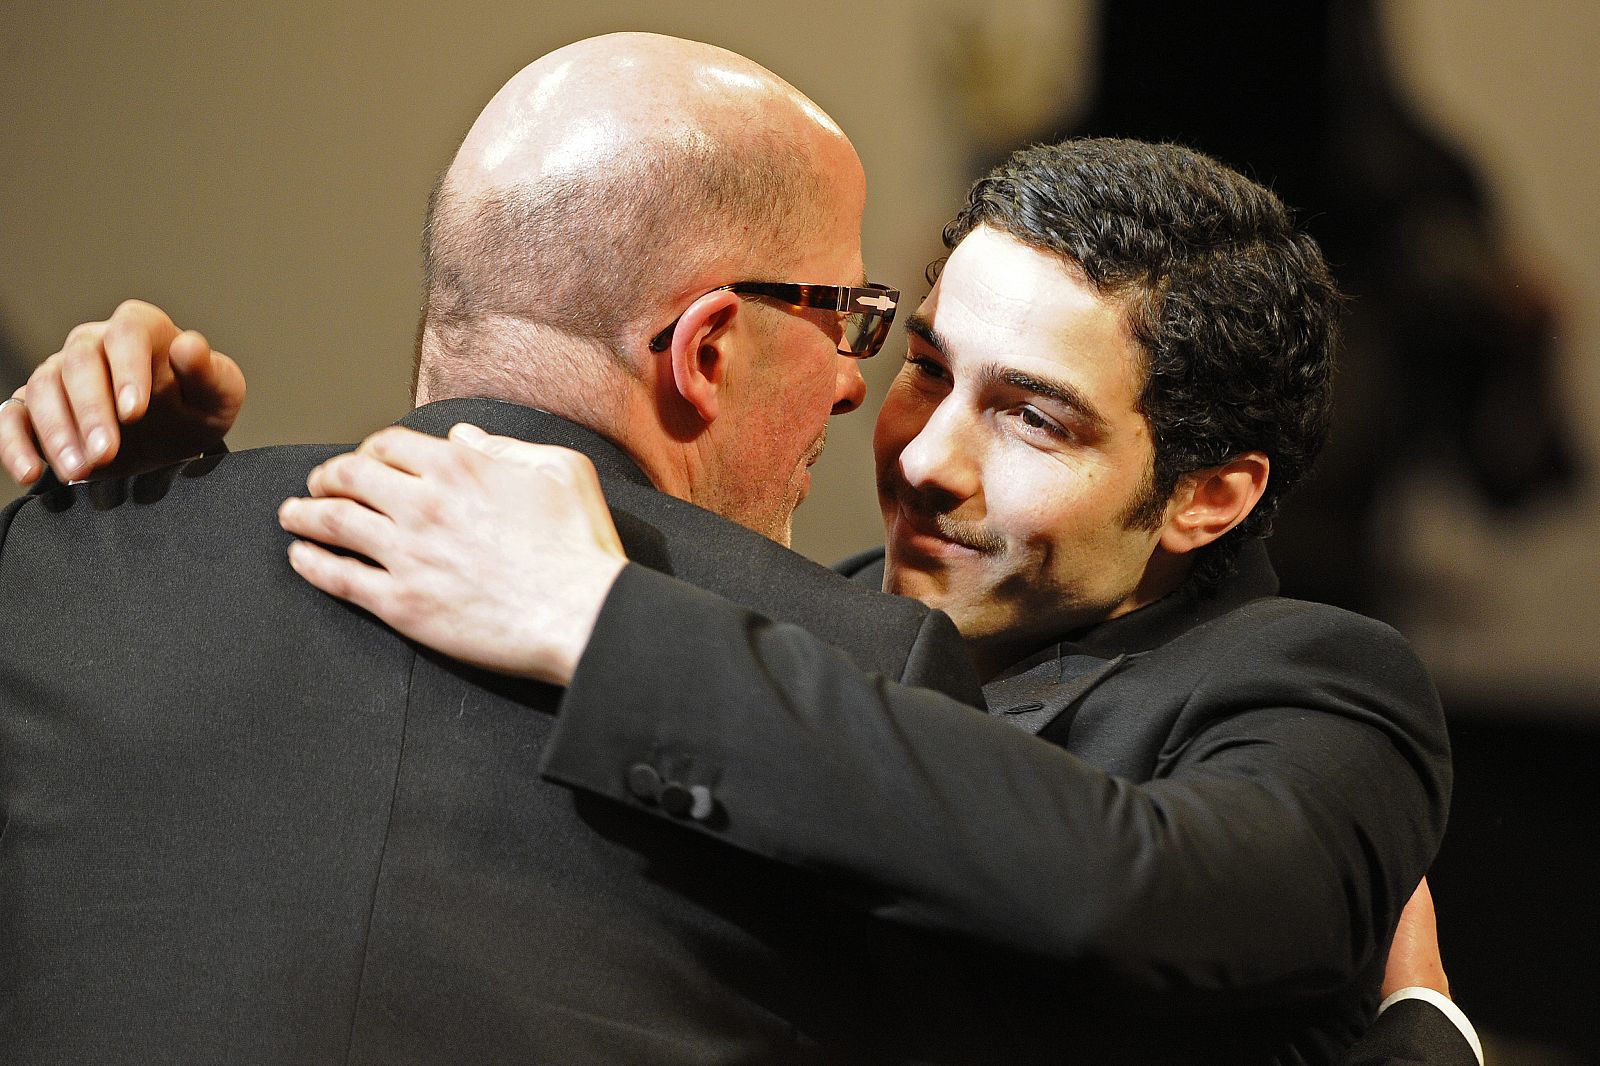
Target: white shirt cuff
[{"x": 1444, "y": 1004}]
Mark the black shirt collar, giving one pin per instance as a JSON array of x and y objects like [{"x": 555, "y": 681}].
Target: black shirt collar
[
  {"x": 1171, "y": 616},
  {"x": 1182, "y": 609}
]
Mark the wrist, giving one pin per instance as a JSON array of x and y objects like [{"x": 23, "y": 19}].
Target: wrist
[
  {"x": 567, "y": 632},
  {"x": 1445, "y": 1005}
]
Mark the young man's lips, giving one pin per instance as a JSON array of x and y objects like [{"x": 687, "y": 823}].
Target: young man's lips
[{"x": 922, "y": 535}]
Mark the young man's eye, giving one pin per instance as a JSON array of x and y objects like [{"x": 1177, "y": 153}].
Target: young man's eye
[
  {"x": 926, "y": 367},
  {"x": 1034, "y": 420}
]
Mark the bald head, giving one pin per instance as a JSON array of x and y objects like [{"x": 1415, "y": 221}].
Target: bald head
[
  {"x": 593, "y": 102},
  {"x": 604, "y": 182}
]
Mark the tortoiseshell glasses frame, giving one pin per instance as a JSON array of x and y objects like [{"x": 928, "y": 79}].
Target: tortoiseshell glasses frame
[{"x": 866, "y": 311}]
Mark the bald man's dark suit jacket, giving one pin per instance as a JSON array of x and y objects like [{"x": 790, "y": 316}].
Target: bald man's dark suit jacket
[{"x": 245, "y": 823}]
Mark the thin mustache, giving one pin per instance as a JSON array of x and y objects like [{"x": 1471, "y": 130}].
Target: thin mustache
[{"x": 967, "y": 534}]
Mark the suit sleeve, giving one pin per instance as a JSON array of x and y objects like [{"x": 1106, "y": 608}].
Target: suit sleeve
[
  {"x": 1272, "y": 852},
  {"x": 1412, "y": 1032}
]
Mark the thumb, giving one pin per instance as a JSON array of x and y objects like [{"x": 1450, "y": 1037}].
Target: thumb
[
  {"x": 561, "y": 466},
  {"x": 507, "y": 448},
  {"x": 476, "y": 439},
  {"x": 207, "y": 379}
]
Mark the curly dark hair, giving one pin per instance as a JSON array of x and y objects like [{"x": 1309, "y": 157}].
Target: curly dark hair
[{"x": 1233, "y": 305}]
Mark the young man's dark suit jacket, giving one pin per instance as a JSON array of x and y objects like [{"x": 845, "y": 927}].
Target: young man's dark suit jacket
[
  {"x": 1240, "y": 793},
  {"x": 1412, "y": 1032},
  {"x": 245, "y": 823}
]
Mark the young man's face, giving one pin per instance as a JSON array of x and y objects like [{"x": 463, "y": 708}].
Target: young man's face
[{"x": 1011, "y": 455}]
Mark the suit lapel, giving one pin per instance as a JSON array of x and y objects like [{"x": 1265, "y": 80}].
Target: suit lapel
[{"x": 1043, "y": 699}]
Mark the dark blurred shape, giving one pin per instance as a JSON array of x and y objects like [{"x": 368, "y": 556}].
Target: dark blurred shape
[
  {"x": 1449, "y": 345},
  {"x": 1515, "y": 879}
]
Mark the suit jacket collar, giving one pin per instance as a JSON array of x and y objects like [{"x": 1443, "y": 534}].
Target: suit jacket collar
[
  {"x": 1042, "y": 693},
  {"x": 1149, "y": 627},
  {"x": 529, "y": 424},
  {"x": 1181, "y": 610}
]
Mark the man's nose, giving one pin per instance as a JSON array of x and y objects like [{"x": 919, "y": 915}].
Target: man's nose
[
  {"x": 849, "y": 387},
  {"x": 940, "y": 458}
]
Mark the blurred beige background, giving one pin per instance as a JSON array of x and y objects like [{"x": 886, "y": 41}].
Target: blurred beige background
[{"x": 260, "y": 171}]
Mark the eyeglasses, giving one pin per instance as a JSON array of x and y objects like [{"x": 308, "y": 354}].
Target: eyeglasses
[{"x": 866, "y": 311}]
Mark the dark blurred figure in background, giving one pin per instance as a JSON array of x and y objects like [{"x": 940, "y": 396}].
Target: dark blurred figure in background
[{"x": 1448, "y": 356}]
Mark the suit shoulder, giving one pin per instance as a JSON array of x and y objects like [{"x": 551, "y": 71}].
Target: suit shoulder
[
  {"x": 883, "y": 633},
  {"x": 863, "y": 565},
  {"x": 237, "y": 493},
  {"x": 724, "y": 557},
  {"x": 1291, "y": 652},
  {"x": 1277, "y": 620}
]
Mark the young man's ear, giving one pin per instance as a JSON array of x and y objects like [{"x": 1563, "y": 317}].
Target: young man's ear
[
  {"x": 699, "y": 352},
  {"x": 1210, "y": 502}
]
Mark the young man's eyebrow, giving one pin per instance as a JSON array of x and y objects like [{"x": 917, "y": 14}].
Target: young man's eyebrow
[
  {"x": 1069, "y": 396},
  {"x": 1060, "y": 391},
  {"x": 920, "y": 326}
]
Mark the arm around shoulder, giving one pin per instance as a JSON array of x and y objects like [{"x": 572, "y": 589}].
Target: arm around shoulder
[{"x": 1290, "y": 784}]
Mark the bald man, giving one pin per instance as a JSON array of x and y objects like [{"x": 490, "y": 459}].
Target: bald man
[{"x": 245, "y": 823}]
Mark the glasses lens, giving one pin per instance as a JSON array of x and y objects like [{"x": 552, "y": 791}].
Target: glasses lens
[
  {"x": 866, "y": 330},
  {"x": 858, "y": 330}
]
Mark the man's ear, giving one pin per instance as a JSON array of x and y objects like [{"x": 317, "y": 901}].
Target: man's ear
[
  {"x": 701, "y": 351},
  {"x": 1212, "y": 501}
]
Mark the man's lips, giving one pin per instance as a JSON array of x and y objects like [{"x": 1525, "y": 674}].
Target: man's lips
[
  {"x": 812, "y": 455},
  {"x": 937, "y": 535}
]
